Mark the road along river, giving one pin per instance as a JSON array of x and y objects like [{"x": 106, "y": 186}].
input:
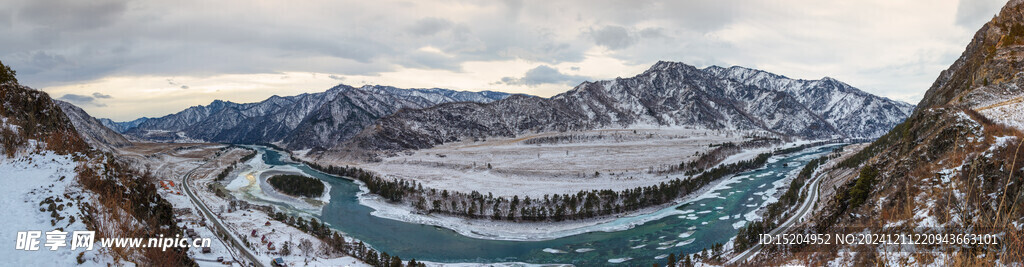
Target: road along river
[{"x": 696, "y": 224}]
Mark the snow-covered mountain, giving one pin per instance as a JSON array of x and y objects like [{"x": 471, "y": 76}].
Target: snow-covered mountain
[
  {"x": 854, "y": 112},
  {"x": 326, "y": 117},
  {"x": 668, "y": 94},
  {"x": 122, "y": 126},
  {"x": 92, "y": 131}
]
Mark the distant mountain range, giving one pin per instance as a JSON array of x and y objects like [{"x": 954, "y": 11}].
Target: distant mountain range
[
  {"x": 306, "y": 121},
  {"x": 121, "y": 127},
  {"x": 668, "y": 94}
]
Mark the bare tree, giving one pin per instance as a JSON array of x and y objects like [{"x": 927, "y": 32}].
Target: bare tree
[
  {"x": 325, "y": 249},
  {"x": 306, "y": 246}
]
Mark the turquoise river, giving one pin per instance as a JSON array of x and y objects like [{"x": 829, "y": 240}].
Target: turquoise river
[{"x": 701, "y": 222}]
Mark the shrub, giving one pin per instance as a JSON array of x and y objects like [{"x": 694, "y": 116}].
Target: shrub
[{"x": 862, "y": 188}]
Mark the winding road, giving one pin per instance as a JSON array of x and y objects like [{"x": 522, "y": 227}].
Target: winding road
[
  {"x": 805, "y": 207},
  {"x": 219, "y": 226}
]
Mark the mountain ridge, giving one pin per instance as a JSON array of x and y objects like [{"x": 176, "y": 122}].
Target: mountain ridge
[
  {"x": 92, "y": 131},
  {"x": 667, "y": 94},
  {"x": 277, "y": 119}
]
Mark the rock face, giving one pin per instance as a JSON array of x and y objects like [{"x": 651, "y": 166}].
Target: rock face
[
  {"x": 91, "y": 130},
  {"x": 30, "y": 114},
  {"x": 668, "y": 94},
  {"x": 947, "y": 152},
  {"x": 326, "y": 118}
]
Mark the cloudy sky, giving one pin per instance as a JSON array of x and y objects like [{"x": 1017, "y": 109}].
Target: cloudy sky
[{"x": 126, "y": 59}]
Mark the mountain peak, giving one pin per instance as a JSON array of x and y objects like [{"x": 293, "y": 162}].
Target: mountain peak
[{"x": 667, "y": 65}]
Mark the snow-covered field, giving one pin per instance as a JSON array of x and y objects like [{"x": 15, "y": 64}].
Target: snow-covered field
[
  {"x": 1012, "y": 114},
  {"x": 534, "y": 231},
  {"x": 621, "y": 158},
  {"x": 25, "y": 182}
]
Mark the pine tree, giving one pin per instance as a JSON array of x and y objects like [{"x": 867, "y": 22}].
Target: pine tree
[
  {"x": 671, "y": 260},
  {"x": 7, "y": 74}
]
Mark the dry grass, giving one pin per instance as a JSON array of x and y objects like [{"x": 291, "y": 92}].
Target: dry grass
[{"x": 115, "y": 213}]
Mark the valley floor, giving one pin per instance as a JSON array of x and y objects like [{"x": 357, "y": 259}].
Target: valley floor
[
  {"x": 172, "y": 162},
  {"x": 555, "y": 163},
  {"x": 534, "y": 231}
]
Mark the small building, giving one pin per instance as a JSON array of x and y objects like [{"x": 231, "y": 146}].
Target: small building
[
  {"x": 278, "y": 262},
  {"x": 253, "y": 233},
  {"x": 267, "y": 224},
  {"x": 206, "y": 250},
  {"x": 270, "y": 246}
]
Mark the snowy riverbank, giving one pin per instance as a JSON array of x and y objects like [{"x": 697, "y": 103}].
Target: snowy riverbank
[
  {"x": 250, "y": 183},
  {"x": 537, "y": 231}
]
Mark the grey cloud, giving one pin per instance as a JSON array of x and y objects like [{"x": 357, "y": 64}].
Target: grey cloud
[
  {"x": 971, "y": 14},
  {"x": 336, "y": 77},
  {"x": 429, "y": 60},
  {"x": 56, "y": 42},
  {"x": 41, "y": 61},
  {"x": 184, "y": 87},
  {"x": 612, "y": 37},
  {"x": 65, "y": 15},
  {"x": 99, "y": 95},
  {"x": 430, "y": 26},
  {"x": 543, "y": 74},
  {"x": 513, "y": 8},
  {"x": 5, "y": 18},
  {"x": 146, "y": 39},
  {"x": 652, "y": 33},
  {"x": 618, "y": 37},
  {"x": 81, "y": 100}
]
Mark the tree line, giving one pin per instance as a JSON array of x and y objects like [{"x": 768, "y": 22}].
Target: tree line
[
  {"x": 718, "y": 154},
  {"x": 224, "y": 173},
  {"x": 556, "y": 207},
  {"x": 336, "y": 242}
]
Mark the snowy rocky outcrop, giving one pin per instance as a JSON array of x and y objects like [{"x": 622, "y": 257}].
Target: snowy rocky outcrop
[
  {"x": 91, "y": 130},
  {"x": 325, "y": 118},
  {"x": 953, "y": 164},
  {"x": 668, "y": 94}
]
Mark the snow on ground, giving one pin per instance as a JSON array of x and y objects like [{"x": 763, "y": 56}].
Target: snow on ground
[
  {"x": 170, "y": 162},
  {"x": 502, "y": 230},
  {"x": 244, "y": 221},
  {"x": 1011, "y": 113},
  {"x": 621, "y": 158},
  {"x": 28, "y": 180},
  {"x": 250, "y": 183}
]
